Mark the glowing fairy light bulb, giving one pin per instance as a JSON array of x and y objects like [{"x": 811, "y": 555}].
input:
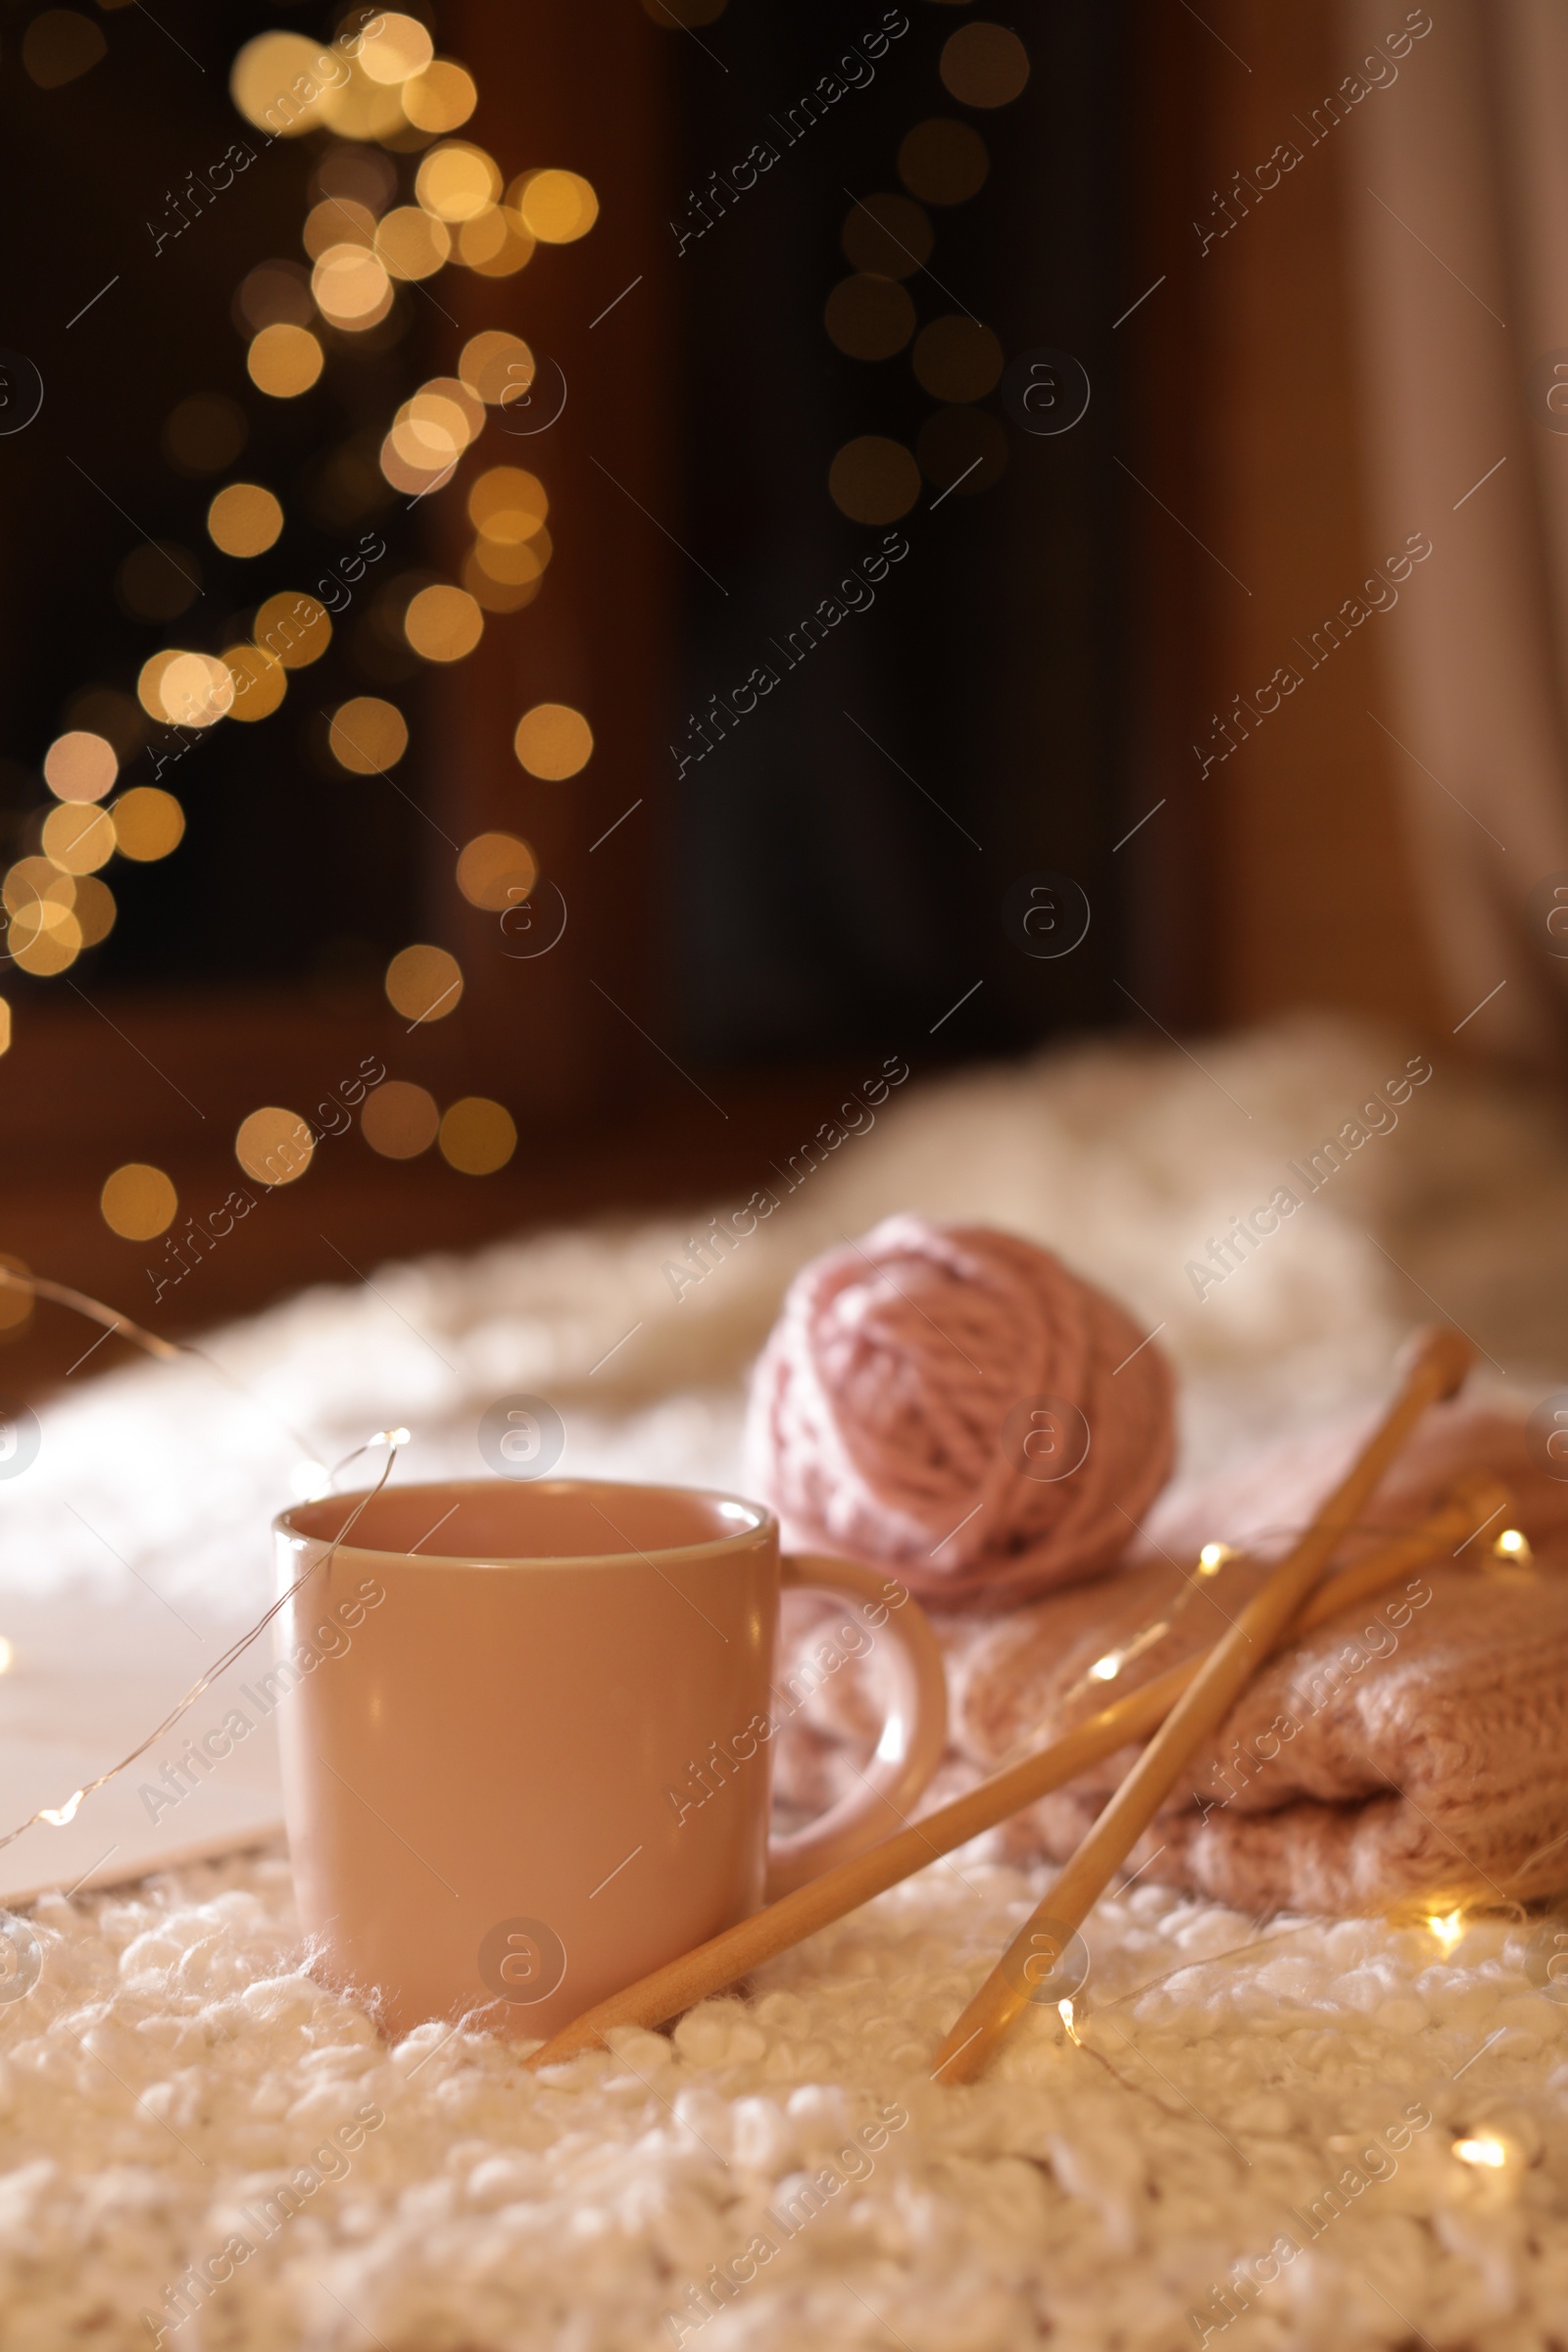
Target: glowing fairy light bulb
[
  {"x": 1213, "y": 1557},
  {"x": 390, "y": 1437},
  {"x": 1064, "y": 2012},
  {"x": 57, "y": 1816},
  {"x": 1512, "y": 1545},
  {"x": 1107, "y": 1668},
  {"x": 1483, "y": 2152},
  {"x": 1447, "y": 1927}
]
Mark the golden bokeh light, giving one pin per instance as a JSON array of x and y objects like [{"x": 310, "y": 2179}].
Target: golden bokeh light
[
  {"x": 459, "y": 394},
  {"x": 273, "y": 1146},
  {"x": 244, "y": 519},
  {"x": 79, "y": 766},
  {"x": 457, "y": 181},
  {"x": 350, "y": 287},
  {"x": 984, "y": 65},
  {"x": 294, "y": 628},
  {"x": 205, "y": 432},
  {"x": 874, "y": 479},
  {"x": 94, "y": 909},
  {"x": 413, "y": 480},
  {"x": 337, "y": 220},
  {"x": 269, "y": 81},
  {"x": 480, "y": 237},
  {"x": 396, "y": 93},
  {"x": 513, "y": 563},
  {"x": 962, "y": 449},
  {"x": 943, "y": 162},
  {"x": 443, "y": 623},
  {"x": 478, "y": 1135},
  {"x": 44, "y": 938},
  {"x": 480, "y": 250},
  {"x": 284, "y": 361},
  {"x": 441, "y": 98},
  {"x": 557, "y": 207},
  {"x": 494, "y": 243},
  {"x": 506, "y": 555},
  {"x": 869, "y": 317},
  {"x": 424, "y": 983},
  {"x": 259, "y": 683},
  {"x": 552, "y": 740},
  {"x": 368, "y": 736},
  {"x": 1447, "y": 1927},
  {"x": 496, "y": 595},
  {"x": 32, "y": 879},
  {"x": 150, "y": 679},
  {"x": 59, "y": 45},
  {"x": 495, "y": 367},
  {"x": 362, "y": 109},
  {"x": 888, "y": 236},
  {"x": 399, "y": 1119},
  {"x": 272, "y": 294},
  {"x": 195, "y": 690},
  {"x": 434, "y": 429},
  {"x": 413, "y": 243},
  {"x": 148, "y": 823},
  {"x": 429, "y": 432},
  {"x": 956, "y": 359},
  {"x": 395, "y": 46},
  {"x": 138, "y": 1202},
  {"x": 158, "y": 580},
  {"x": 508, "y": 503},
  {"x": 78, "y": 840},
  {"x": 495, "y": 871}
]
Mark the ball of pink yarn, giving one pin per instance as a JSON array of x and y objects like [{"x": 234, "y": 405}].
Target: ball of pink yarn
[{"x": 879, "y": 1422}]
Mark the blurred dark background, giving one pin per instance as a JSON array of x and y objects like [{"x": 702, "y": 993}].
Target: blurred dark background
[
  {"x": 818, "y": 893},
  {"x": 845, "y": 856},
  {"x": 768, "y": 381}
]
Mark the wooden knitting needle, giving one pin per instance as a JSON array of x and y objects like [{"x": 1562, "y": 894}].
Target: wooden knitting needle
[
  {"x": 1434, "y": 1366},
  {"x": 680, "y": 1983}
]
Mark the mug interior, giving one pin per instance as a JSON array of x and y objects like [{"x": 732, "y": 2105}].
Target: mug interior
[{"x": 537, "y": 1520}]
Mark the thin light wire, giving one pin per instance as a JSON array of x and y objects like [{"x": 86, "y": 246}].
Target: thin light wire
[
  {"x": 60, "y": 1294},
  {"x": 1196, "y": 1581},
  {"x": 58, "y": 1815},
  {"x": 394, "y": 1439}
]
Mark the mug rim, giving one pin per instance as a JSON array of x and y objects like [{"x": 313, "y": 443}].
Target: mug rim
[{"x": 710, "y": 1548}]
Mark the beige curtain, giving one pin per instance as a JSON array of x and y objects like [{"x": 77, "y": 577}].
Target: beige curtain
[{"x": 1457, "y": 189}]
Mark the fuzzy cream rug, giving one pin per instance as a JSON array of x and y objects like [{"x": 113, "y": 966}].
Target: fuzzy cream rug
[{"x": 1300, "y": 2134}]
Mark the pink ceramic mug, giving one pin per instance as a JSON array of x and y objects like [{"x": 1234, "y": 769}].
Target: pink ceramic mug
[{"x": 525, "y": 1755}]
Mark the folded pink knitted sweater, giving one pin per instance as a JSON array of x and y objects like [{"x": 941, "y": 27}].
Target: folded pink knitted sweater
[{"x": 1414, "y": 1747}]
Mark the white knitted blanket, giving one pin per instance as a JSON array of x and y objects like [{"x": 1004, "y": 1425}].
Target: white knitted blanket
[{"x": 1348, "y": 2133}]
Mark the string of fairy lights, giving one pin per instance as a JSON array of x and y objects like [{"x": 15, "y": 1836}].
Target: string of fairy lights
[{"x": 379, "y": 93}]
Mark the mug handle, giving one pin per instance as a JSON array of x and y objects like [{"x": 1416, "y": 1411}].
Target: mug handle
[{"x": 914, "y": 1733}]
